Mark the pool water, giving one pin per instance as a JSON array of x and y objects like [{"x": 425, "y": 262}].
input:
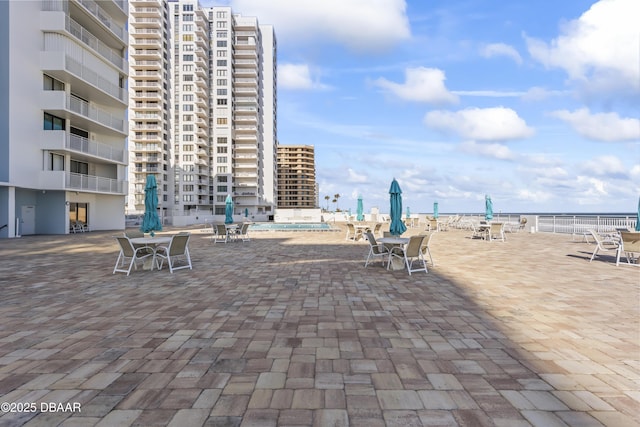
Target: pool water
[{"x": 269, "y": 226}]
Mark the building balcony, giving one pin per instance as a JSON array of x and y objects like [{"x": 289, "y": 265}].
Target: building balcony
[
  {"x": 245, "y": 129},
  {"x": 61, "y": 141},
  {"x": 87, "y": 82},
  {"x": 61, "y": 180},
  {"x": 244, "y": 91},
  {"x": 144, "y": 43},
  {"x": 245, "y": 82},
  {"x": 144, "y": 64},
  {"x": 82, "y": 113},
  {"x": 105, "y": 19},
  {"x": 145, "y": 22},
  {"x": 146, "y": 54},
  {"x": 145, "y": 74},
  {"x": 59, "y": 22},
  {"x": 146, "y": 96},
  {"x": 147, "y": 12}
]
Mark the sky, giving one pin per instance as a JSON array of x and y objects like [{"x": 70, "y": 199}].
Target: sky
[{"x": 535, "y": 103}]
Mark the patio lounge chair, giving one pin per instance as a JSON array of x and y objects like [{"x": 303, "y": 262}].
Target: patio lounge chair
[
  {"x": 129, "y": 254},
  {"x": 375, "y": 250},
  {"x": 602, "y": 245},
  {"x": 353, "y": 233},
  {"x": 220, "y": 234},
  {"x": 410, "y": 253},
  {"x": 178, "y": 249},
  {"x": 243, "y": 232},
  {"x": 496, "y": 231},
  {"x": 629, "y": 244},
  {"x": 426, "y": 249}
]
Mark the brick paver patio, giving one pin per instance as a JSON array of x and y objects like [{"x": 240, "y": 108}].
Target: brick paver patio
[{"x": 290, "y": 329}]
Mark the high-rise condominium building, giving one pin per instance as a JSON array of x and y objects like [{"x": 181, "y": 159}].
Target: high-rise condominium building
[
  {"x": 297, "y": 177},
  {"x": 63, "y": 72},
  {"x": 224, "y": 113},
  {"x": 149, "y": 103}
]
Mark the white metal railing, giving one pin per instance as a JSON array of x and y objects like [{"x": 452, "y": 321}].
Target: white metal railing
[
  {"x": 84, "y": 145},
  {"x": 104, "y": 17},
  {"x": 101, "y": 184},
  {"x": 94, "y": 43},
  {"x": 578, "y": 224},
  {"x": 96, "y": 80},
  {"x": 82, "y": 107}
]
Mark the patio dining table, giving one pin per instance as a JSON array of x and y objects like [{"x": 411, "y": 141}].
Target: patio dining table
[
  {"x": 394, "y": 241},
  {"x": 152, "y": 243}
]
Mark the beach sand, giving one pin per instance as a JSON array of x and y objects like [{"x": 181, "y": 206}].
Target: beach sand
[{"x": 291, "y": 329}]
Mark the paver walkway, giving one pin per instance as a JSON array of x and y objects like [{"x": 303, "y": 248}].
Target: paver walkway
[{"x": 290, "y": 329}]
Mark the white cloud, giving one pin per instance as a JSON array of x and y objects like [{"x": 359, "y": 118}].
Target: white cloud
[
  {"x": 494, "y": 150},
  {"x": 297, "y": 76},
  {"x": 421, "y": 84},
  {"x": 361, "y": 25},
  {"x": 355, "y": 177},
  {"x": 600, "y": 47},
  {"x": 607, "y": 166},
  {"x": 534, "y": 196},
  {"x": 489, "y": 93},
  {"x": 539, "y": 93},
  {"x": 601, "y": 126},
  {"x": 480, "y": 124},
  {"x": 501, "y": 49}
]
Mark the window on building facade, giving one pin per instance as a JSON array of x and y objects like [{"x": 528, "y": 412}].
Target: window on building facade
[
  {"x": 52, "y": 122},
  {"x": 221, "y": 140},
  {"x": 187, "y": 138},
  {"x": 221, "y": 159},
  {"x": 221, "y": 92},
  {"x": 187, "y": 77},
  {"x": 187, "y": 27},
  {"x": 187, "y": 57},
  {"x": 187, "y": 17},
  {"x": 221, "y": 43},
  {"x": 186, "y": 8},
  {"x": 221, "y": 62},
  {"x": 187, "y": 107},
  {"x": 187, "y": 128},
  {"x": 187, "y": 67},
  {"x": 221, "y": 14},
  {"x": 56, "y": 162},
  {"x": 221, "y": 150},
  {"x": 222, "y": 188},
  {"x": 221, "y": 73},
  {"x": 187, "y": 38},
  {"x": 187, "y": 88},
  {"x": 79, "y": 167},
  {"x": 222, "y": 178},
  {"x": 221, "y": 53},
  {"x": 221, "y": 82},
  {"x": 221, "y": 120},
  {"x": 221, "y": 24},
  {"x": 187, "y": 157},
  {"x": 221, "y": 34},
  {"x": 221, "y": 169},
  {"x": 221, "y": 101},
  {"x": 187, "y": 187},
  {"x": 52, "y": 84}
]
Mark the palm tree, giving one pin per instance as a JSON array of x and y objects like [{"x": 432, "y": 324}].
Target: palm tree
[
  {"x": 335, "y": 200},
  {"x": 327, "y": 199}
]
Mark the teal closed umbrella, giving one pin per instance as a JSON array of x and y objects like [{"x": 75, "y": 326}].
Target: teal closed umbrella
[
  {"x": 360, "y": 210},
  {"x": 228, "y": 210},
  {"x": 488, "y": 208},
  {"x": 246, "y": 212},
  {"x": 435, "y": 210},
  {"x": 396, "y": 227},
  {"x": 408, "y": 212},
  {"x": 638, "y": 216},
  {"x": 151, "y": 221}
]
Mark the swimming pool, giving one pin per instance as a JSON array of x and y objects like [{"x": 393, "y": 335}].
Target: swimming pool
[{"x": 270, "y": 226}]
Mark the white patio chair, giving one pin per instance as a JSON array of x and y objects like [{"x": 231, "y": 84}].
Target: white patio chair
[
  {"x": 496, "y": 231},
  {"x": 426, "y": 248},
  {"x": 243, "y": 232},
  {"x": 353, "y": 233},
  {"x": 220, "y": 234},
  {"x": 177, "y": 250},
  {"x": 410, "y": 253},
  {"x": 129, "y": 254},
  {"x": 602, "y": 245},
  {"x": 375, "y": 250},
  {"x": 629, "y": 245}
]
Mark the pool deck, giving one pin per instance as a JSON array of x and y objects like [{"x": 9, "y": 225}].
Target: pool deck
[{"x": 290, "y": 329}]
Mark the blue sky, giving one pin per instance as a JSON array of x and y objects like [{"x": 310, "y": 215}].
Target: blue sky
[{"x": 536, "y": 103}]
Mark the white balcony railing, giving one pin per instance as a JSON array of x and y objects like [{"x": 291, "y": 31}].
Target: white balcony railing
[
  {"x": 94, "y": 43},
  {"x": 97, "y": 149},
  {"x": 83, "y": 108},
  {"x": 100, "y": 184}
]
